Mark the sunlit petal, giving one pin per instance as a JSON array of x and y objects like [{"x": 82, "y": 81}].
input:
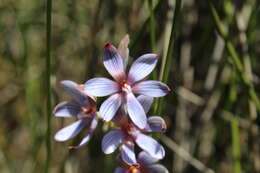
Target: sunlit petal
[
  {"x": 150, "y": 145},
  {"x": 100, "y": 87},
  {"x": 111, "y": 141},
  {"x": 70, "y": 131},
  {"x": 113, "y": 62},
  {"x": 146, "y": 159},
  {"x": 128, "y": 154},
  {"x": 145, "y": 101},
  {"x": 157, "y": 168},
  {"x": 142, "y": 67},
  {"x": 156, "y": 124},
  {"x": 151, "y": 88},
  {"x": 67, "y": 109},
  {"x": 110, "y": 106},
  {"x": 136, "y": 111}
]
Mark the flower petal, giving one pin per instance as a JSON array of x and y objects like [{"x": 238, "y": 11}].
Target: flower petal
[
  {"x": 119, "y": 170},
  {"x": 145, "y": 101},
  {"x": 128, "y": 154},
  {"x": 151, "y": 88},
  {"x": 146, "y": 159},
  {"x": 84, "y": 141},
  {"x": 142, "y": 67},
  {"x": 123, "y": 48},
  {"x": 67, "y": 109},
  {"x": 150, "y": 145},
  {"x": 157, "y": 168},
  {"x": 100, "y": 87},
  {"x": 136, "y": 111},
  {"x": 94, "y": 123},
  {"x": 71, "y": 88},
  {"x": 113, "y": 62},
  {"x": 111, "y": 141},
  {"x": 70, "y": 131},
  {"x": 110, "y": 106},
  {"x": 155, "y": 124}
]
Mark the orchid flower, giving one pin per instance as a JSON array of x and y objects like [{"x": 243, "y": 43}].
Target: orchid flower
[
  {"x": 145, "y": 164},
  {"x": 82, "y": 107},
  {"x": 122, "y": 91},
  {"x": 129, "y": 135}
]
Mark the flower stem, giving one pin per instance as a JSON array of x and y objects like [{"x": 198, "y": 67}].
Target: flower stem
[
  {"x": 48, "y": 83},
  {"x": 167, "y": 60}
]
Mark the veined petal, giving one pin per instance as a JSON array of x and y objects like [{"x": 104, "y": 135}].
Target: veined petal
[
  {"x": 101, "y": 87},
  {"x": 94, "y": 123},
  {"x": 123, "y": 48},
  {"x": 128, "y": 154},
  {"x": 83, "y": 142},
  {"x": 151, "y": 88},
  {"x": 146, "y": 159},
  {"x": 119, "y": 170},
  {"x": 70, "y": 131},
  {"x": 150, "y": 145},
  {"x": 145, "y": 101},
  {"x": 71, "y": 88},
  {"x": 110, "y": 106},
  {"x": 155, "y": 124},
  {"x": 142, "y": 67},
  {"x": 111, "y": 141},
  {"x": 157, "y": 168},
  {"x": 67, "y": 109},
  {"x": 136, "y": 111},
  {"x": 113, "y": 62}
]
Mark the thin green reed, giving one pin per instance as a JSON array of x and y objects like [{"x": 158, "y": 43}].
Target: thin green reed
[
  {"x": 234, "y": 56},
  {"x": 235, "y": 139},
  {"x": 137, "y": 36},
  {"x": 235, "y": 145},
  {"x": 152, "y": 25},
  {"x": 152, "y": 32},
  {"x": 48, "y": 83},
  {"x": 167, "y": 60}
]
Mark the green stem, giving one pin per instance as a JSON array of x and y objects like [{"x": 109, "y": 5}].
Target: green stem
[
  {"x": 48, "y": 83},
  {"x": 235, "y": 145},
  {"x": 167, "y": 60},
  {"x": 234, "y": 56},
  {"x": 139, "y": 33},
  {"x": 152, "y": 25}
]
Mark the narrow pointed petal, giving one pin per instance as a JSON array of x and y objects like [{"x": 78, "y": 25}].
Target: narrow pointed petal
[
  {"x": 84, "y": 141},
  {"x": 67, "y": 109},
  {"x": 145, "y": 101},
  {"x": 94, "y": 123},
  {"x": 113, "y": 62},
  {"x": 128, "y": 154},
  {"x": 111, "y": 141},
  {"x": 123, "y": 48},
  {"x": 70, "y": 131},
  {"x": 155, "y": 124},
  {"x": 157, "y": 168},
  {"x": 100, "y": 87},
  {"x": 119, "y": 170},
  {"x": 151, "y": 88},
  {"x": 146, "y": 159},
  {"x": 110, "y": 106},
  {"x": 142, "y": 67},
  {"x": 71, "y": 88},
  {"x": 150, "y": 145},
  {"x": 136, "y": 111}
]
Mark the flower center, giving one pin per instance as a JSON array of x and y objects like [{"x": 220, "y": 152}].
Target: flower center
[
  {"x": 134, "y": 169},
  {"x": 126, "y": 87}
]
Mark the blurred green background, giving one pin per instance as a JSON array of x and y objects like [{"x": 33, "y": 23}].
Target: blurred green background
[{"x": 212, "y": 65}]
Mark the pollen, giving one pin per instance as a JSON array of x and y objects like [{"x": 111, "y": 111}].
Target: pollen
[{"x": 133, "y": 169}]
